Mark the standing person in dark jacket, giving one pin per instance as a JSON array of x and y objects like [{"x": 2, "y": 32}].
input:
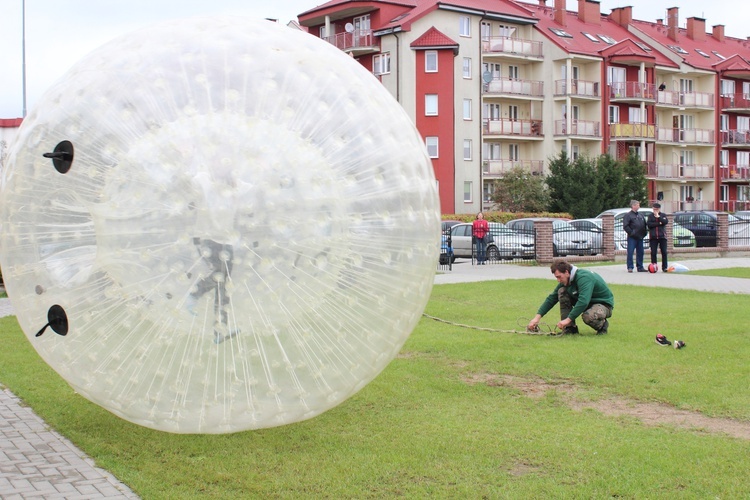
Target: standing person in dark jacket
[
  {"x": 657, "y": 235},
  {"x": 580, "y": 292},
  {"x": 634, "y": 225}
]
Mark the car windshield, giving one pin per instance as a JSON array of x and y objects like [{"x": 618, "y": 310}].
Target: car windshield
[{"x": 561, "y": 225}]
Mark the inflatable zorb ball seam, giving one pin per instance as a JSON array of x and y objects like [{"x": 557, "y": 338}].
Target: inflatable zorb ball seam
[{"x": 233, "y": 222}]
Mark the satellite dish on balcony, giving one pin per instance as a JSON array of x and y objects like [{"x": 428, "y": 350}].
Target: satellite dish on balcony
[
  {"x": 349, "y": 27},
  {"x": 487, "y": 77}
]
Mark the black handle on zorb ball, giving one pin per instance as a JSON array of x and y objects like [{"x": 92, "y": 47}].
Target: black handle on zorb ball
[{"x": 57, "y": 320}]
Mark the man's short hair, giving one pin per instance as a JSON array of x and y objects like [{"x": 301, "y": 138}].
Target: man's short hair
[
  {"x": 634, "y": 203},
  {"x": 560, "y": 265}
]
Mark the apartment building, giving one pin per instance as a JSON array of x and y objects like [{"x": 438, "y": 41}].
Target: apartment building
[{"x": 495, "y": 84}]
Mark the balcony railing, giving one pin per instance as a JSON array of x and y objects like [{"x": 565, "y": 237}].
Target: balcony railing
[
  {"x": 738, "y": 173},
  {"x": 513, "y": 46},
  {"x": 685, "y": 99},
  {"x": 632, "y": 91},
  {"x": 579, "y": 88},
  {"x": 502, "y": 167},
  {"x": 737, "y": 100},
  {"x": 350, "y": 41},
  {"x": 531, "y": 128},
  {"x": 686, "y": 135},
  {"x": 578, "y": 127},
  {"x": 676, "y": 171},
  {"x": 632, "y": 131},
  {"x": 529, "y": 88},
  {"x": 735, "y": 137}
]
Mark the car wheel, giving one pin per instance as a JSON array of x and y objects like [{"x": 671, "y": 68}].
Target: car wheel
[
  {"x": 555, "y": 253},
  {"x": 493, "y": 253}
]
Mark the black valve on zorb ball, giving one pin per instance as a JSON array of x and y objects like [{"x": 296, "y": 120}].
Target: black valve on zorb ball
[
  {"x": 62, "y": 156},
  {"x": 57, "y": 320}
]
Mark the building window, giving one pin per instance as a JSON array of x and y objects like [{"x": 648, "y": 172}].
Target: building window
[
  {"x": 514, "y": 152},
  {"x": 467, "y": 149},
  {"x": 323, "y": 33},
  {"x": 467, "y": 67},
  {"x": 727, "y": 87},
  {"x": 724, "y": 193},
  {"x": 464, "y": 26},
  {"x": 430, "y": 104},
  {"x": 575, "y": 152},
  {"x": 614, "y": 114},
  {"x": 432, "y": 146},
  {"x": 467, "y": 109},
  {"x": 467, "y": 191},
  {"x": 723, "y": 122},
  {"x": 724, "y": 157},
  {"x": 431, "y": 61},
  {"x": 381, "y": 63}
]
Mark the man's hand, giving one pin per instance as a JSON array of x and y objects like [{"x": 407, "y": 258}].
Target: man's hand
[
  {"x": 563, "y": 323},
  {"x": 534, "y": 324}
]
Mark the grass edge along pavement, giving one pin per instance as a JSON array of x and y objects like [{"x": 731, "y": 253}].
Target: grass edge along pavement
[{"x": 448, "y": 416}]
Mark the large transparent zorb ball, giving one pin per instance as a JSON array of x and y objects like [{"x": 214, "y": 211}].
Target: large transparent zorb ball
[{"x": 226, "y": 224}]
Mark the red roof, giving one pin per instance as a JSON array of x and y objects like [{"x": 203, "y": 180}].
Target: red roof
[
  {"x": 434, "y": 38},
  {"x": 423, "y": 7},
  {"x": 577, "y": 42},
  {"x": 10, "y": 122},
  {"x": 688, "y": 48}
]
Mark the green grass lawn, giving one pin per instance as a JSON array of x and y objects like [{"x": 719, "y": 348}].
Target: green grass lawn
[
  {"x": 444, "y": 421},
  {"x": 728, "y": 272}
]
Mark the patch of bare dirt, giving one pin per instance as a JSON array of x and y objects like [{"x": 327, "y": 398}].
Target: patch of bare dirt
[{"x": 650, "y": 414}]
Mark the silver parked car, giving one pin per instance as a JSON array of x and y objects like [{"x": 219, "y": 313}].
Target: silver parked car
[
  {"x": 511, "y": 244},
  {"x": 566, "y": 240},
  {"x": 503, "y": 244}
]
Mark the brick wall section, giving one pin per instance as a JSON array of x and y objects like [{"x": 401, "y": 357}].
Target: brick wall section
[
  {"x": 722, "y": 231},
  {"x": 608, "y": 238},
  {"x": 544, "y": 250}
]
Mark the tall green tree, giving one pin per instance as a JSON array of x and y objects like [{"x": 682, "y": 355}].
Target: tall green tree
[
  {"x": 520, "y": 191},
  {"x": 634, "y": 180},
  {"x": 609, "y": 185},
  {"x": 572, "y": 186},
  {"x": 588, "y": 186}
]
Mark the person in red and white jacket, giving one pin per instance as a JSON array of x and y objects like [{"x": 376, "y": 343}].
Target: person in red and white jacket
[{"x": 480, "y": 229}]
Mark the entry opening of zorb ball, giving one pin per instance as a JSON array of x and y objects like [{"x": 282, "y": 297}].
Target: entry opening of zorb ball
[{"x": 218, "y": 224}]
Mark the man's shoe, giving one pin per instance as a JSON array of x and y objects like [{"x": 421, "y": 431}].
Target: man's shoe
[
  {"x": 662, "y": 340},
  {"x": 630, "y": 270},
  {"x": 603, "y": 329},
  {"x": 642, "y": 270},
  {"x": 570, "y": 330}
]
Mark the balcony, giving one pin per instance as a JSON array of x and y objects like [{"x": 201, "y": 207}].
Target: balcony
[
  {"x": 665, "y": 171},
  {"x": 357, "y": 43},
  {"x": 527, "y": 128},
  {"x": 735, "y": 173},
  {"x": 694, "y": 136},
  {"x": 508, "y": 86},
  {"x": 736, "y": 103},
  {"x": 512, "y": 46},
  {"x": 631, "y": 92},
  {"x": 735, "y": 138},
  {"x": 579, "y": 128},
  {"x": 685, "y": 99},
  {"x": 578, "y": 88},
  {"x": 632, "y": 131},
  {"x": 498, "y": 168}
]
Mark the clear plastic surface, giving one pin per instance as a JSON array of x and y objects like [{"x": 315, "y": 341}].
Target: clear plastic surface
[{"x": 246, "y": 235}]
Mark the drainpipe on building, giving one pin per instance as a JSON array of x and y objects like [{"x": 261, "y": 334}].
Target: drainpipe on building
[{"x": 398, "y": 67}]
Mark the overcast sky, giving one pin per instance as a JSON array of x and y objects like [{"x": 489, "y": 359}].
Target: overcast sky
[{"x": 60, "y": 32}]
